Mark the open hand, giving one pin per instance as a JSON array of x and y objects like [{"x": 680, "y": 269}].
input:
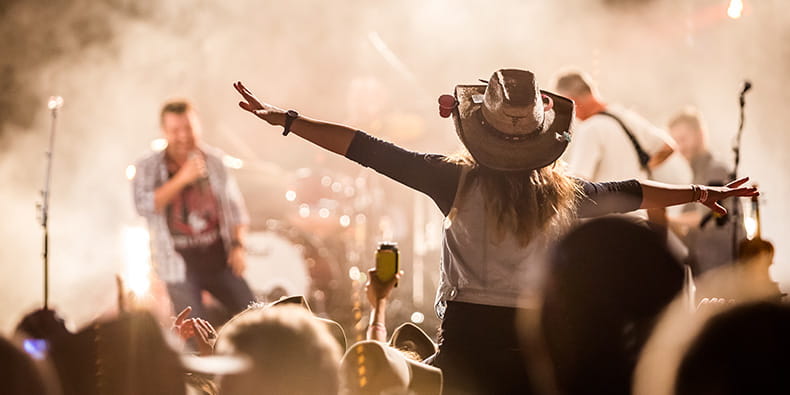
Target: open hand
[
  {"x": 735, "y": 188},
  {"x": 267, "y": 112},
  {"x": 204, "y": 334}
]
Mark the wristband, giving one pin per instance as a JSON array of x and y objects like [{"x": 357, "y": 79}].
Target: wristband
[{"x": 290, "y": 115}]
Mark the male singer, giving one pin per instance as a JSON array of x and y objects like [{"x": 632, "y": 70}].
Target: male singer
[{"x": 196, "y": 215}]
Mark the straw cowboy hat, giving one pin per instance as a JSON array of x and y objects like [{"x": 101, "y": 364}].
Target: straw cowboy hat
[
  {"x": 412, "y": 338},
  {"x": 511, "y": 125},
  {"x": 371, "y": 367}
]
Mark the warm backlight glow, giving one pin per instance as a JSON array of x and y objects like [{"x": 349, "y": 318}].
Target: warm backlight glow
[
  {"x": 735, "y": 10},
  {"x": 751, "y": 227},
  {"x": 130, "y": 172},
  {"x": 137, "y": 263}
]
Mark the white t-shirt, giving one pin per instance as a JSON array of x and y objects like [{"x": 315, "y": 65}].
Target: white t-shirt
[{"x": 601, "y": 150}]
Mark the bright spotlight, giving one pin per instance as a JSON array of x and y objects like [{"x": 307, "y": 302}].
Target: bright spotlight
[
  {"x": 735, "y": 9},
  {"x": 290, "y": 196},
  {"x": 232, "y": 162},
  {"x": 159, "y": 145},
  {"x": 304, "y": 210},
  {"x": 130, "y": 172},
  {"x": 417, "y": 317},
  {"x": 750, "y": 223},
  {"x": 354, "y": 273},
  {"x": 323, "y": 212},
  {"x": 55, "y": 102},
  {"x": 345, "y": 221},
  {"x": 137, "y": 270}
]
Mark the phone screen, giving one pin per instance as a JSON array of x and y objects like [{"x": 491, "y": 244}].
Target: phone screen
[
  {"x": 36, "y": 348},
  {"x": 386, "y": 264}
]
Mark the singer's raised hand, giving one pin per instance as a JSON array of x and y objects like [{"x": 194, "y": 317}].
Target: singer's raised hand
[{"x": 267, "y": 112}]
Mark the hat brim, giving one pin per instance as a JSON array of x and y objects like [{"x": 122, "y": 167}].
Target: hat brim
[
  {"x": 411, "y": 337},
  {"x": 492, "y": 151}
]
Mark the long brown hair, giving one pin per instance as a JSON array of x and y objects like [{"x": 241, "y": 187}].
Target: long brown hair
[{"x": 523, "y": 203}]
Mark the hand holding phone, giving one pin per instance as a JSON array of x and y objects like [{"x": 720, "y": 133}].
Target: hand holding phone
[{"x": 387, "y": 264}]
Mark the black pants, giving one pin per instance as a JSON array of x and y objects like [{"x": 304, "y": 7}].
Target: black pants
[
  {"x": 479, "y": 351},
  {"x": 207, "y": 269}
]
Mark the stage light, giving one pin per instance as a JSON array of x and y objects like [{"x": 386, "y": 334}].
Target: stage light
[
  {"x": 323, "y": 212},
  {"x": 326, "y": 181},
  {"x": 304, "y": 210},
  {"x": 750, "y": 224},
  {"x": 130, "y": 172},
  {"x": 55, "y": 102},
  {"x": 232, "y": 162},
  {"x": 735, "y": 9},
  {"x": 345, "y": 221},
  {"x": 290, "y": 196},
  {"x": 337, "y": 187},
  {"x": 137, "y": 270},
  {"x": 353, "y": 273},
  {"x": 417, "y": 317},
  {"x": 159, "y": 145}
]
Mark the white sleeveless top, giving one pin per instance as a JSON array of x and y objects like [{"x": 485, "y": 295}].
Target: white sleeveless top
[{"x": 475, "y": 268}]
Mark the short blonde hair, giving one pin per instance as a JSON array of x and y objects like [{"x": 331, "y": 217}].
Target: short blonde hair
[
  {"x": 574, "y": 82},
  {"x": 175, "y": 106}
]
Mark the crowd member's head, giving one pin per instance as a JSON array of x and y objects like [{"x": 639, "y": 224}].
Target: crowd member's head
[
  {"x": 132, "y": 357},
  {"x": 19, "y": 374},
  {"x": 609, "y": 280},
  {"x": 371, "y": 367},
  {"x": 525, "y": 195},
  {"x": 290, "y": 353},
  {"x": 411, "y": 338},
  {"x": 181, "y": 128},
  {"x": 744, "y": 350},
  {"x": 579, "y": 87},
  {"x": 125, "y": 356},
  {"x": 690, "y": 132}
]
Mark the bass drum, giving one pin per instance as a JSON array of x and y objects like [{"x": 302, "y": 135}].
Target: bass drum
[
  {"x": 275, "y": 266},
  {"x": 282, "y": 260}
]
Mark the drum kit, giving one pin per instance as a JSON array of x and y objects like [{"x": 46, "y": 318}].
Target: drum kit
[{"x": 308, "y": 229}]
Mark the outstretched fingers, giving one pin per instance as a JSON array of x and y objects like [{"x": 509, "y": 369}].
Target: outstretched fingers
[
  {"x": 718, "y": 208},
  {"x": 737, "y": 183},
  {"x": 182, "y": 315},
  {"x": 743, "y": 192}
]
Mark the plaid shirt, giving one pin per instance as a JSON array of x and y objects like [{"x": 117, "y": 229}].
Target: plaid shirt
[{"x": 151, "y": 173}]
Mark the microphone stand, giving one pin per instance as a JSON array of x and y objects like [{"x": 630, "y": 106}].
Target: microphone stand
[
  {"x": 736, "y": 208},
  {"x": 54, "y": 104}
]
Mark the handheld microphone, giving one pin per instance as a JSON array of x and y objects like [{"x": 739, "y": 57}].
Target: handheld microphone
[{"x": 202, "y": 181}]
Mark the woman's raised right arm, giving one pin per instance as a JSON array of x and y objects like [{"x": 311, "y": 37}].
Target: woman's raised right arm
[{"x": 331, "y": 136}]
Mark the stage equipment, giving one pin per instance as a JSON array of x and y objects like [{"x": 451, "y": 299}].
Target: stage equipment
[
  {"x": 54, "y": 104},
  {"x": 736, "y": 208}
]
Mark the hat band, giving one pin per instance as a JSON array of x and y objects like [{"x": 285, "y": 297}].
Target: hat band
[{"x": 490, "y": 129}]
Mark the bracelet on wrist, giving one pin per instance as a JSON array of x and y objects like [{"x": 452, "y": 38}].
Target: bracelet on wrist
[{"x": 237, "y": 244}]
